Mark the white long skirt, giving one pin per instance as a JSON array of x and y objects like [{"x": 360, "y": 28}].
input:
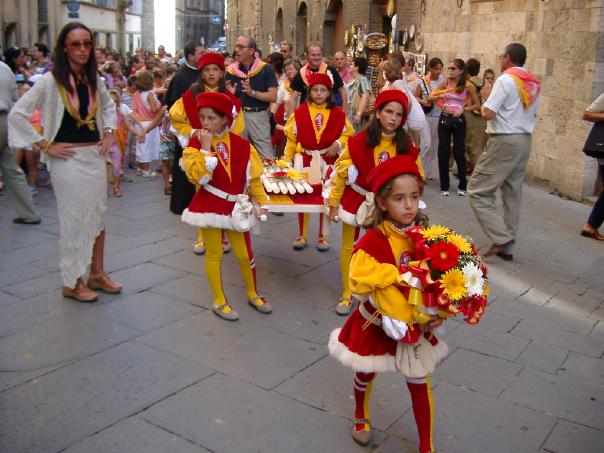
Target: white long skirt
[
  {"x": 80, "y": 186},
  {"x": 148, "y": 151}
]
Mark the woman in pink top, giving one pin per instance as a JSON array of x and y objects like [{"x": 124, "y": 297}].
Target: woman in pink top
[{"x": 452, "y": 98}]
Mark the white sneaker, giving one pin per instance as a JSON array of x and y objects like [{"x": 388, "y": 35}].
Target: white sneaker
[
  {"x": 444, "y": 193},
  {"x": 149, "y": 174},
  {"x": 461, "y": 193}
]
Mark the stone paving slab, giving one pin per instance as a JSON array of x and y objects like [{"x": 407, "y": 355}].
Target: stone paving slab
[
  {"x": 242, "y": 349},
  {"x": 500, "y": 322},
  {"x": 127, "y": 258},
  {"x": 471, "y": 422},
  {"x": 80, "y": 399},
  {"x": 28, "y": 254},
  {"x": 568, "y": 437},
  {"x": 43, "y": 284},
  {"x": 543, "y": 357},
  {"x": 487, "y": 341},
  {"x": 135, "y": 435},
  {"x": 195, "y": 290},
  {"x": 478, "y": 372},
  {"x": 20, "y": 273},
  {"x": 389, "y": 397},
  {"x": 584, "y": 367},
  {"x": 224, "y": 414},
  {"x": 144, "y": 276},
  {"x": 562, "y": 396},
  {"x": 8, "y": 299}
]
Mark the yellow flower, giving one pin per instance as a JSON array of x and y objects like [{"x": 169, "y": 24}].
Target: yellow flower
[
  {"x": 486, "y": 289},
  {"x": 435, "y": 232},
  {"x": 454, "y": 284},
  {"x": 460, "y": 243},
  {"x": 293, "y": 174},
  {"x": 282, "y": 163}
]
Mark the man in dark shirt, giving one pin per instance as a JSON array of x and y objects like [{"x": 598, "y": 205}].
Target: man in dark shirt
[
  {"x": 182, "y": 189},
  {"x": 256, "y": 87},
  {"x": 314, "y": 55}
]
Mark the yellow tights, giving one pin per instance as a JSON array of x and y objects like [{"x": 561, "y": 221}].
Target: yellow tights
[
  {"x": 349, "y": 236},
  {"x": 242, "y": 250}
]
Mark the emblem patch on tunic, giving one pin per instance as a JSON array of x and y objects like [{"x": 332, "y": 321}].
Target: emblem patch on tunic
[
  {"x": 223, "y": 151},
  {"x": 403, "y": 262},
  {"x": 319, "y": 121},
  {"x": 383, "y": 157}
]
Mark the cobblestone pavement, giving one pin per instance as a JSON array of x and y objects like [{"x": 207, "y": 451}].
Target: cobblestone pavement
[{"x": 153, "y": 370}]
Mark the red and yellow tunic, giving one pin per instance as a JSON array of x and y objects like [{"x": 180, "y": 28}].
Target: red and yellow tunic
[
  {"x": 315, "y": 128},
  {"x": 233, "y": 167},
  {"x": 375, "y": 279},
  {"x": 184, "y": 116},
  {"x": 352, "y": 168}
]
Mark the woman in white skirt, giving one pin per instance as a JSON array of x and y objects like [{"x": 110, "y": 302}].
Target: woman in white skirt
[{"x": 79, "y": 117}]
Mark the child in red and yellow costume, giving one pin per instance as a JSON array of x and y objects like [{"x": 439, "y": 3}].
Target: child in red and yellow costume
[
  {"x": 389, "y": 331},
  {"x": 185, "y": 117},
  {"x": 226, "y": 167},
  {"x": 383, "y": 138},
  {"x": 316, "y": 127}
]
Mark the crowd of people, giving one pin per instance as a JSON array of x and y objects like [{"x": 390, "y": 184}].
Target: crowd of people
[{"x": 209, "y": 120}]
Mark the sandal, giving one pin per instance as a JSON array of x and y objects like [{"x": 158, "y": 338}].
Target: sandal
[
  {"x": 260, "y": 304},
  {"x": 344, "y": 306},
  {"x": 363, "y": 436},
  {"x": 117, "y": 192},
  {"x": 105, "y": 284},
  {"x": 593, "y": 235},
  {"x": 225, "y": 311},
  {"x": 82, "y": 294}
]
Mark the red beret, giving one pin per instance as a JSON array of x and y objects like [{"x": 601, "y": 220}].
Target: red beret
[
  {"x": 218, "y": 101},
  {"x": 391, "y": 168},
  {"x": 320, "y": 78},
  {"x": 393, "y": 96},
  {"x": 211, "y": 58}
]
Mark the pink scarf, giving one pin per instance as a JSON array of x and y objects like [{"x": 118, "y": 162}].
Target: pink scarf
[
  {"x": 527, "y": 84},
  {"x": 257, "y": 65}
]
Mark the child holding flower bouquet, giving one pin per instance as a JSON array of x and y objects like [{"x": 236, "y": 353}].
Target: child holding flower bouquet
[
  {"x": 390, "y": 330},
  {"x": 316, "y": 127}
]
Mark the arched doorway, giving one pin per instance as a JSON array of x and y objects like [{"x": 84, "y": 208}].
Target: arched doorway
[
  {"x": 279, "y": 26},
  {"x": 333, "y": 27},
  {"x": 301, "y": 27}
]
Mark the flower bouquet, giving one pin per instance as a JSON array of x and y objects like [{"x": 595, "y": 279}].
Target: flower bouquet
[
  {"x": 280, "y": 177},
  {"x": 451, "y": 271}
]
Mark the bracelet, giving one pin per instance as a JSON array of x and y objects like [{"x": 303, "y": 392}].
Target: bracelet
[
  {"x": 254, "y": 93},
  {"x": 358, "y": 113}
]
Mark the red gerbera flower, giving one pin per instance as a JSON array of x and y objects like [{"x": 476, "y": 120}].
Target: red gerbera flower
[{"x": 443, "y": 256}]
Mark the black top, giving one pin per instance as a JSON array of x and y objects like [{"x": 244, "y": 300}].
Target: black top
[
  {"x": 299, "y": 85},
  {"x": 261, "y": 81},
  {"x": 69, "y": 132},
  {"x": 182, "y": 80}
]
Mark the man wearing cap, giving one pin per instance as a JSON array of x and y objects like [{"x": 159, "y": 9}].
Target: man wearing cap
[
  {"x": 255, "y": 85},
  {"x": 14, "y": 178},
  {"x": 510, "y": 112},
  {"x": 314, "y": 54},
  {"x": 182, "y": 190}
]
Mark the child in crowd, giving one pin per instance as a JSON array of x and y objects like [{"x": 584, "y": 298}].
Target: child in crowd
[
  {"x": 30, "y": 154},
  {"x": 383, "y": 138},
  {"x": 317, "y": 127},
  {"x": 387, "y": 326},
  {"x": 225, "y": 166},
  {"x": 166, "y": 151},
  {"x": 145, "y": 106},
  {"x": 120, "y": 138}
]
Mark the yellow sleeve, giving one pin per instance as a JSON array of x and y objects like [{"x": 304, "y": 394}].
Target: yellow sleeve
[
  {"x": 381, "y": 280},
  {"x": 292, "y": 139},
  {"x": 340, "y": 178},
  {"x": 179, "y": 119},
  {"x": 418, "y": 161},
  {"x": 194, "y": 164},
  {"x": 348, "y": 132},
  {"x": 256, "y": 168},
  {"x": 238, "y": 124}
]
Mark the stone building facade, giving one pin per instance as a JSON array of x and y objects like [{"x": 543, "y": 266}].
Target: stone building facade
[
  {"x": 564, "y": 38},
  {"x": 199, "y": 20},
  {"x": 115, "y": 23}
]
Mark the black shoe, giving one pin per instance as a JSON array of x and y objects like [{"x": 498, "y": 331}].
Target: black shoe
[{"x": 22, "y": 221}]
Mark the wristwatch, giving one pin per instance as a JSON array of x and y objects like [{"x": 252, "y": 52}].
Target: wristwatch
[{"x": 108, "y": 130}]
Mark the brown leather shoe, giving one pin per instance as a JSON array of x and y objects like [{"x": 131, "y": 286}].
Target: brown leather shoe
[
  {"x": 499, "y": 251},
  {"x": 82, "y": 294},
  {"x": 105, "y": 284}
]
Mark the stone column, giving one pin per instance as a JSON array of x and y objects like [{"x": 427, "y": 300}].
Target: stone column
[{"x": 148, "y": 26}]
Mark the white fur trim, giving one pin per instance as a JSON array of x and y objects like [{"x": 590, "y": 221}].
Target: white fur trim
[
  {"x": 183, "y": 140},
  {"x": 394, "y": 328},
  {"x": 208, "y": 220},
  {"x": 347, "y": 217},
  {"x": 365, "y": 364},
  {"x": 211, "y": 163}
]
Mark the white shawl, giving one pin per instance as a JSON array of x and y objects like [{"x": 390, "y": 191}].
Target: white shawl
[{"x": 45, "y": 95}]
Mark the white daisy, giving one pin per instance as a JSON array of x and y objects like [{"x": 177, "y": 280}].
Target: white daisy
[{"x": 474, "y": 280}]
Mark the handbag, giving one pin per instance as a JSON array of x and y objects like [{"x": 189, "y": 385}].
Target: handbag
[
  {"x": 425, "y": 93},
  {"x": 451, "y": 122},
  {"x": 242, "y": 216},
  {"x": 417, "y": 360},
  {"x": 594, "y": 145}
]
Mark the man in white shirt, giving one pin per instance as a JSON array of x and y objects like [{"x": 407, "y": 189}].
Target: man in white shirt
[
  {"x": 510, "y": 112},
  {"x": 14, "y": 178}
]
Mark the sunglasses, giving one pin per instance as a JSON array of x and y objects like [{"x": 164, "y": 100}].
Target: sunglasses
[{"x": 78, "y": 44}]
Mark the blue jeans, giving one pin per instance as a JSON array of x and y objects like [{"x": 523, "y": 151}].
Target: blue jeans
[{"x": 596, "y": 217}]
